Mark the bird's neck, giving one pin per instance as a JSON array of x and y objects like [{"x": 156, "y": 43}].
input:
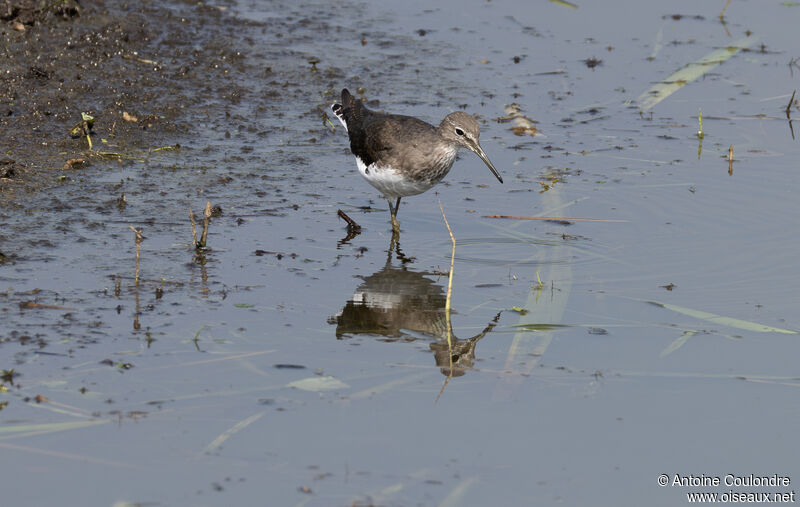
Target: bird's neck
[{"x": 447, "y": 155}]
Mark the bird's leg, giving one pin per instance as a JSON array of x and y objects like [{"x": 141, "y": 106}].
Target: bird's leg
[{"x": 393, "y": 211}]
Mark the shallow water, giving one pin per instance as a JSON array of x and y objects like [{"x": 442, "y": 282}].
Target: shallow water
[{"x": 176, "y": 390}]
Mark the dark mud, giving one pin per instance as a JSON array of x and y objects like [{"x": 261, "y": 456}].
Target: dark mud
[
  {"x": 135, "y": 67},
  {"x": 147, "y": 72}
]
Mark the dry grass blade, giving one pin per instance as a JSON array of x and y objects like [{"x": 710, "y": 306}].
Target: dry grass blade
[
  {"x": 452, "y": 263},
  {"x": 730, "y": 160},
  {"x": 724, "y": 9},
  {"x": 141, "y": 60},
  {"x": 700, "y": 133},
  {"x": 447, "y": 305}
]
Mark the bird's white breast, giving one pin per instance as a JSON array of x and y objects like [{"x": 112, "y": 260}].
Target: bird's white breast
[{"x": 390, "y": 182}]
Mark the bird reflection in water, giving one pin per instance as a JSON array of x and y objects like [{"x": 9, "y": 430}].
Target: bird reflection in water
[{"x": 399, "y": 304}]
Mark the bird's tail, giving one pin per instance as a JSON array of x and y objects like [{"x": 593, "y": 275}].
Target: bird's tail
[{"x": 349, "y": 111}]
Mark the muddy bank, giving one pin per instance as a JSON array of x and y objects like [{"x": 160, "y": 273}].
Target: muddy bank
[{"x": 143, "y": 71}]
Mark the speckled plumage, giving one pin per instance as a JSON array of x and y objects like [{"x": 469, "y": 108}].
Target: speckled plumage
[{"x": 402, "y": 155}]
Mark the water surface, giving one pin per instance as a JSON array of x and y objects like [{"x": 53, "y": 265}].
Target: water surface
[{"x": 179, "y": 390}]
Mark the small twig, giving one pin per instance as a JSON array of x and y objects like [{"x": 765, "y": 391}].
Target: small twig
[
  {"x": 165, "y": 148},
  {"x": 352, "y": 226},
  {"x": 139, "y": 239},
  {"x": 730, "y": 160}
]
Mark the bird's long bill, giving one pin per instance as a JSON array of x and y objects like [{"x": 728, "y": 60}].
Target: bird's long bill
[{"x": 479, "y": 151}]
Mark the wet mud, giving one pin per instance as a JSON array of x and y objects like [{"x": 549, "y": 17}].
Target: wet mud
[{"x": 148, "y": 73}]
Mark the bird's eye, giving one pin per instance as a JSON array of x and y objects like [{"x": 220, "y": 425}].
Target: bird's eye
[{"x": 459, "y": 132}]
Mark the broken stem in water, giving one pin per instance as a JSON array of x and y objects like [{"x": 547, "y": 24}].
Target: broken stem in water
[
  {"x": 352, "y": 225},
  {"x": 206, "y": 220},
  {"x": 730, "y": 160},
  {"x": 700, "y": 134},
  {"x": 139, "y": 239},
  {"x": 194, "y": 229},
  {"x": 450, "y": 276},
  {"x": 198, "y": 245}
]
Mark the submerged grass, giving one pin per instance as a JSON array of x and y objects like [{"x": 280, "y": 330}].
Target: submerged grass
[
  {"x": 236, "y": 428},
  {"x": 26, "y": 430},
  {"x": 675, "y": 345},
  {"x": 543, "y": 314},
  {"x": 691, "y": 72},
  {"x": 722, "y": 320}
]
